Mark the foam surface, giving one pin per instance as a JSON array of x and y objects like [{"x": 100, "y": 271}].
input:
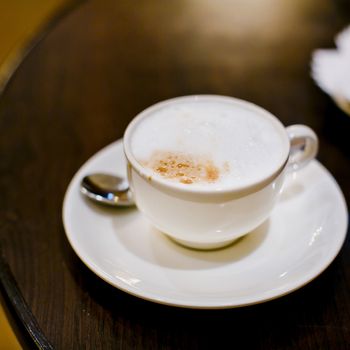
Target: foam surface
[{"x": 242, "y": 144}]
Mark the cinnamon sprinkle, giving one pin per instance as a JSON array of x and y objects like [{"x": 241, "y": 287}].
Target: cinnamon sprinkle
[{"x": 184, "y": 168}]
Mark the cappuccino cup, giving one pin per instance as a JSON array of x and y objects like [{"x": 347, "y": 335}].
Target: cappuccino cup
[{"x": 207, "y": 169}]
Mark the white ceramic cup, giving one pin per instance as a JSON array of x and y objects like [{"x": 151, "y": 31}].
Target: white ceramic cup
[{"x": 206, "y": 218}]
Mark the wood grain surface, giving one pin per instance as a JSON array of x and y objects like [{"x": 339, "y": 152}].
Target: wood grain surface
[{"x": 76, "y": 92}]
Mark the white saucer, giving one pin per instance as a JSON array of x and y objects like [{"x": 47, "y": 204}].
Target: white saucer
[{"x": 302, "y": 237}]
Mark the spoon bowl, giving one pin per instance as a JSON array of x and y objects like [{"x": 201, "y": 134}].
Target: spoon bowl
[{"x": 107, "y": 189}]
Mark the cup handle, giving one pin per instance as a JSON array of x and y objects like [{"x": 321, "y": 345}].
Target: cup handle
[{"x": 303, "y": 146}]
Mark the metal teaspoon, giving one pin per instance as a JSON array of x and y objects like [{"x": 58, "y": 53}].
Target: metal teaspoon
[{"x": 107, "y": 189}]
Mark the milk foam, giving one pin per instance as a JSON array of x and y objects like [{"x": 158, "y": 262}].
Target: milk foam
[{"x": 243, "y": 142}]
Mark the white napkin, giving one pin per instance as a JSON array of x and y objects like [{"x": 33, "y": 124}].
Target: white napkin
[{"x": 331, "y": 69}]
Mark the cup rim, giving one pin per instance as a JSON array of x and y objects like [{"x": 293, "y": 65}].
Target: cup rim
[{"x": 250, "y": 187}]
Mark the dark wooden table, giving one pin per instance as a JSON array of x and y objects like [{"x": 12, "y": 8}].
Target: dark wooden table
[{"x": 75, "y": 93}]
